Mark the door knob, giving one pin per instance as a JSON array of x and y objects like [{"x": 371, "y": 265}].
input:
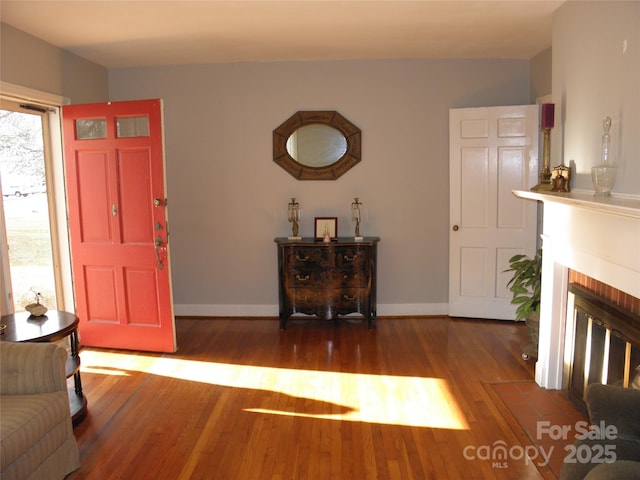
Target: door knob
[
  {"x": 158, "y": 244},
  {"x": 455, "y": 228}
]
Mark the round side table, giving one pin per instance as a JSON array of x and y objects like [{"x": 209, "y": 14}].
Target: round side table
[{"x": 51, "y": 327}]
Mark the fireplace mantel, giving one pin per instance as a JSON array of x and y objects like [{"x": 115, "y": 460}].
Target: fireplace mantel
[
  {"x": 598, "y": 237},
  {"x": 613, "y": 205}
]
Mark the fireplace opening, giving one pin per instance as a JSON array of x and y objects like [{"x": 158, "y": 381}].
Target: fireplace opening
[{"x": 602, "y": 344}]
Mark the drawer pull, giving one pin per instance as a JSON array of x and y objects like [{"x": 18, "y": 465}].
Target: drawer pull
[
  {"x": 301, "y": 259},
  {"x": 350, "y": 259},
  {"x": 302, "y": 279},
  {"x": 349, "y": 299}
]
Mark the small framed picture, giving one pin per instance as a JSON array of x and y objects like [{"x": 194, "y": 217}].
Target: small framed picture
[{"x": 326, "y": 225}]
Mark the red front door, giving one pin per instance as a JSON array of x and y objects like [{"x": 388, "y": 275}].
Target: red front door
[{"x": 114, "y": 169}]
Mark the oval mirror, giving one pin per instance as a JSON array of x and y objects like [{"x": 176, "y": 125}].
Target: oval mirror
[{"x": 318, "y": 145}]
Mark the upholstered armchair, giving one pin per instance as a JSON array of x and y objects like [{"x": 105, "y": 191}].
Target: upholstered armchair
[
  {"x": 36, "y": 435},
  {"x": 609, "y": 406}
]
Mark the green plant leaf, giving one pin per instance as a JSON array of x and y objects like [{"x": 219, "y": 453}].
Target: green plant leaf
[{"x": 525, "y": 284}]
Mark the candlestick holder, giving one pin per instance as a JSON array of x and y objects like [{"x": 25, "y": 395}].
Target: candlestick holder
[
  {"x": 546, "y": 124},
  {"x": 294, "y": 215},
  {"x": 356, "y": 216}
]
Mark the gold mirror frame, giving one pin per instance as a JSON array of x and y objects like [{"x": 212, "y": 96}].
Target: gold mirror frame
[{"x": 330, "y": 172}]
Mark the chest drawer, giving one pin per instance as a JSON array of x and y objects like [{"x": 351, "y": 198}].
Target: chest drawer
[
  {"x": 352, "y": 267},
  {"x": 305, "y": 267}
]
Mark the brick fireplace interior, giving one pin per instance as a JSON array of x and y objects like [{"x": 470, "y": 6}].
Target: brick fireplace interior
[
  {"x": 623, "y": 300},
  {"x": 602, "y": 337}
]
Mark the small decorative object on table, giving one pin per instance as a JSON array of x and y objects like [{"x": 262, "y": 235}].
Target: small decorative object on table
[
  {"x": 604, "y": 175},
  {"x": 560, "y": 178},
  {"x": 36, "y": 309},
  {"x": 546, "y": 124},
  {"x": 356, "y": 216},
  {"x": 326, "y": 238},
  {"x": 294, "y": 218}
]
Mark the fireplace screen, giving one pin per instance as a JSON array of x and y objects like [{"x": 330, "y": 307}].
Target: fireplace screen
[{"x": 602, "y": 344}]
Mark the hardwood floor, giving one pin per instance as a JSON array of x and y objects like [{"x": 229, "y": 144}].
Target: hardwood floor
[{"x": 242, "y": 400}]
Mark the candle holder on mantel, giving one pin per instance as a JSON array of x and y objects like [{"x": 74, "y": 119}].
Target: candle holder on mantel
[
  {"x": 356, "y": 216},
  {"x": 546, "y": 124},
  {"x": 294, "y": 215}
]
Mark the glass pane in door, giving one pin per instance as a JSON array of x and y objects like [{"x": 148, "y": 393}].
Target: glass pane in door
[
  {"x": 91, "y": 129},
  {"x": 127, "y": 127}
]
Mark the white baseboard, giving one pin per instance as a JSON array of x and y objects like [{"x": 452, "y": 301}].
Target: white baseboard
[
  {"x": 385, "y": 310},
  {"x": 403, "y": 309},
  {"x": 199, "y": 310}
]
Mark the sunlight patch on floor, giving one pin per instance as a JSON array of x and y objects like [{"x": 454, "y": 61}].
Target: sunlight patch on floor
[
  {"x": 104, "y": 371},
  {"x": 395, "y": 400}
]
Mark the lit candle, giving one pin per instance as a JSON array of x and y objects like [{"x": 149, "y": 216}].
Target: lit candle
[{"x": 547, "y": 117}]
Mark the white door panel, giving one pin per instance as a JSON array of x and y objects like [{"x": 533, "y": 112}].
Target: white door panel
[
  {"x": 493, "y": 151},
  {"x": 473, "y": 261},
  {"x": 511, "y": 168},
  {"x": 475, "y": 185}
]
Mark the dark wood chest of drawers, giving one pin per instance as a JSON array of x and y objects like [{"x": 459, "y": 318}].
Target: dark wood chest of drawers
[{"x": 327, "y": 279}]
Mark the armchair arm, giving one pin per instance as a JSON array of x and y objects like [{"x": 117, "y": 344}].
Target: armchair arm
[
  {"x": 27, "y": 368},
  {"x": 615, "y": 406}
]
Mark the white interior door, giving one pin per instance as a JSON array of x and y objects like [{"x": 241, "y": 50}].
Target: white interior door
[{"x": 493, "y": 151}]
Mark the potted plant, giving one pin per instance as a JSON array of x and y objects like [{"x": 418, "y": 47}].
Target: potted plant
[{"x": 525, "y": 286}]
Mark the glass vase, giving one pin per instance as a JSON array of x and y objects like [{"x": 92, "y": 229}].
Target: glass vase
[{"x": 603, "y": 178}]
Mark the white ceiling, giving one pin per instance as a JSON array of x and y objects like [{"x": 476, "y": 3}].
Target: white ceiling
[{"x": 122, "y": 33}]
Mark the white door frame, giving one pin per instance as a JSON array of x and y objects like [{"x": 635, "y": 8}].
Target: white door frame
[
  {"x": 52, "y": 130},
  {"x": 6, "y": 300}
]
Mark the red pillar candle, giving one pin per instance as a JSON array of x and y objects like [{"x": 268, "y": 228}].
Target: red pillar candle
[{"x": 546, "y": 120}]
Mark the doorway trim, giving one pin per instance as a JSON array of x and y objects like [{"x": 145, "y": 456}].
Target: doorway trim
[{"x": 52, "y": 131}]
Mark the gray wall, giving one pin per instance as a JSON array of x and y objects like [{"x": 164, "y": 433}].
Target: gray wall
[
  {"x": 595, "y": 76},
  {"x": 228, "y": 199},
  {"x": 30, "y": 62},
  {"x": 540, "y": 75}
]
